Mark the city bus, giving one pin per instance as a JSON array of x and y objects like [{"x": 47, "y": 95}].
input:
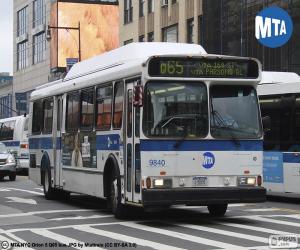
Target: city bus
[
  {"x": 279, "y": 94},
  {"x": 151, "y": 125},
  {"x": 14, "y": 134}
]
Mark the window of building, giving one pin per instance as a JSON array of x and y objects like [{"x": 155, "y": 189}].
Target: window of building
[
  {"x": 190, "y": 30},
  {"x": 174, "y": 1},
  {"x": 142, "y": 38},
  {"x": 128, "y": 10},
  {"x": 22, "y": 55},
  {"x": 87, "y": 109},
  {"x": 118, "y": 105},
  {"x": 39, "y": 47},
  {"x": 141, "y": 8},
  {"x": 170, "y": 34},
  {"x": 150, "y": 6},
  {"x": 48, "y": 115},
  {"x": 22, "y": 21},
  {"x": 151, "y": 37},
  {"x": 104, "y": 103},
  {"x": 37, "y": 117},
  {"x": 72, "y": 117},
  {"x": 39, "y": 13},
  {"x": 200, "y": 29},
  {"x": 128, "y": 41},
  {"x": 164, "y": 2}
]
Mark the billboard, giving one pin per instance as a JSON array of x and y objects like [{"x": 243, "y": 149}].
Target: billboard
[{"x": 99, "y": 30}]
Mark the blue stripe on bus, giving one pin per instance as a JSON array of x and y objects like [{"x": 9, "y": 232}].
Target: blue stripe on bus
[
  {"x": 40, "y": 143},
  {"x": 291, "y": 158},
  {"x": 103, "y": 142},
  {"x": 203, "y": 145},
  {"x": 11, "y": 143}
]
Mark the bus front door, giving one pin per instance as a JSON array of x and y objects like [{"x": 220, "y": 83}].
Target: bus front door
[{"x": 132, "y": 154}]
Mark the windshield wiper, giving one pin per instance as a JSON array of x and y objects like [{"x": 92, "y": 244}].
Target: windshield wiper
[{"x": 181, "y": 140}]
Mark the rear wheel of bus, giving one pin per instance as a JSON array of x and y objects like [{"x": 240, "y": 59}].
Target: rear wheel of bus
[
  {"x": 115, "y": 205},
  {"x": 217, "y": 210},
  {"x": 46, "y": 181}
]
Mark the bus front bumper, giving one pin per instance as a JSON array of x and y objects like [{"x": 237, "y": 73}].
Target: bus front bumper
[{"x": 203, "y": 196}]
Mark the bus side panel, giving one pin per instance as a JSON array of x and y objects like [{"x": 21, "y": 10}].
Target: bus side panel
[
  {"x": 291, "y": 169},
  {"x": 273, "y": 174}
]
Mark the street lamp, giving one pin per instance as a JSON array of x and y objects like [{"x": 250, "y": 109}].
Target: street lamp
[{"x": 48, "y": 35}]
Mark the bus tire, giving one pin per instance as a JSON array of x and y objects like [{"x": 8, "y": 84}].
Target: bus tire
[
  {"x": 217, "y": 210},
  {"x": 49, "y": 192},
  {"x": 12, "y": 177},
  {"x": 114, "y": 199}
]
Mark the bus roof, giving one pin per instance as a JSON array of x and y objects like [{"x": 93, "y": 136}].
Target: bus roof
[
  {"x": 270, "y": 77},
  {"x": 14, "y": 118},
  {"x": 133, "y": 51},
  {"x": 127, "y": 59}
]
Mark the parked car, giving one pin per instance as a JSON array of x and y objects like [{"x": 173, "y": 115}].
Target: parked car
[{"x": 7, "y": 163}]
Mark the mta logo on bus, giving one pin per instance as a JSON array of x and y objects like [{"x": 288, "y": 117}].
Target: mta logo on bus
[
  {"x": 273, "y": 27},
  {"x": 209, "y": 160}
]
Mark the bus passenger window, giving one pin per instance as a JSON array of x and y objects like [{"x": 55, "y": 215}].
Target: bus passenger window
[
  {"x": 118, "y": 105},
  {"x": 104, "y": 102},
  {"x": 72, "y": 121},
  {"x": 48, "y": 115},
  {"x": 37, "y": 119},
  {"x": 87, "y": 109}
]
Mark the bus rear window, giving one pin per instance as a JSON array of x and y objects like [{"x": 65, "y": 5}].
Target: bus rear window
[{"x": 7, "y": 130}]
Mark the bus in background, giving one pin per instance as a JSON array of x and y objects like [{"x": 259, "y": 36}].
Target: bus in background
[
  {"x": 151, "y": 125},
  {"x": 279, "y": 94},
  {"x": 14, "y": 134}
]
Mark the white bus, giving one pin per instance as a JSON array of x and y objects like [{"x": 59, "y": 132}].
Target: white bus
[
  {"x": 151, "y": 124},
  {"x": 14, "y": 134},
  {"x": 279, "y": 94}
]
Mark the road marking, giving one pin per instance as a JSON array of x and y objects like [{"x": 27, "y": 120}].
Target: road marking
[
  {"x": 262, "y": 210},
  {"x": 60, "y": 227},
  {"x": 263, "y": 219},
  {"x": 45, "y": 212},
  {"x": 256, "y": 229},
  {"x": 63, "y": 239},
  {"x": 125, "y": 238},
  {"x": 82, "y": 217},
  {"x": 25, "y": 190},
  {"x": 227, "y": 233},
  {"x": 4, "y": 190},
  {"x": 182, "y": 236},
  {"x": 21, "y": 200},
  {"x": 41, "y": 189},
  {"x": 15, "y": 240}
]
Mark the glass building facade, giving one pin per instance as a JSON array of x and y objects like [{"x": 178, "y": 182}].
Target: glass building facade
[{"x": 228, "y": 27}]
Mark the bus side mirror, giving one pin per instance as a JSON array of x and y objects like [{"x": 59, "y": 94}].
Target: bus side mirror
[
  {"x": 138, "y": 93},
  {"x": 266, "y": 121}
]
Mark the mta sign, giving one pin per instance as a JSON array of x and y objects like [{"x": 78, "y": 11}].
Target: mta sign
[
  {"x": 273, "y": 27},
  {"x": 208, "y": 160}
]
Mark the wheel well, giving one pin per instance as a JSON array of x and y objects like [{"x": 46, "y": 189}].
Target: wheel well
[{"x": 111, "y": 165}]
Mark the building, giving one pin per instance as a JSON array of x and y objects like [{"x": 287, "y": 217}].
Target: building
[
  {"x": 233, "y": 22},
  {"x": 220, "y": 26},
  {"x": 159, "y": 21},
  {"x": 6, "y": 84},
  {"x": 49, "y": 34}
]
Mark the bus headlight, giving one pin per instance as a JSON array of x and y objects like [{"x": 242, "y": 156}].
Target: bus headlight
[
  {"x": 162, "y": 183},
  {"x": 246, "y": 181}
]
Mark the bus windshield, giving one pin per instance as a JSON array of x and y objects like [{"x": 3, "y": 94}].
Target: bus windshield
[
  {"x": 175, "y": 110},
  {"x": 234, "y": 112}
]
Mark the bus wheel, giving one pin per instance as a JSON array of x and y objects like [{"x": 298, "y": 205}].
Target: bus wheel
[
  {"x": 117, "y": 208},
  {"x": 48, "y": 190},
  {"x": 217, "y": 210},
  {"x": 12, "y": 177}
]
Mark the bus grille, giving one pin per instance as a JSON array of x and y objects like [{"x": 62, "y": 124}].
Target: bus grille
[{"x": 2, "y": 161}]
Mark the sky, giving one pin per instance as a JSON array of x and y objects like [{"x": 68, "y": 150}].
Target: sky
[{"x": 6, "y": 36}]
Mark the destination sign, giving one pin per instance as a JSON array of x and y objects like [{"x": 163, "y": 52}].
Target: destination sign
[{"x": 203, "y": 68}]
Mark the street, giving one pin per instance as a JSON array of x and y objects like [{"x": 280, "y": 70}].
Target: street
[{"x": 28, "y": 221}]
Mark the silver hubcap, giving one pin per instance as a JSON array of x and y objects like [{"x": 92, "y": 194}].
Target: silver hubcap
[{"x": 114, "y": 195}]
